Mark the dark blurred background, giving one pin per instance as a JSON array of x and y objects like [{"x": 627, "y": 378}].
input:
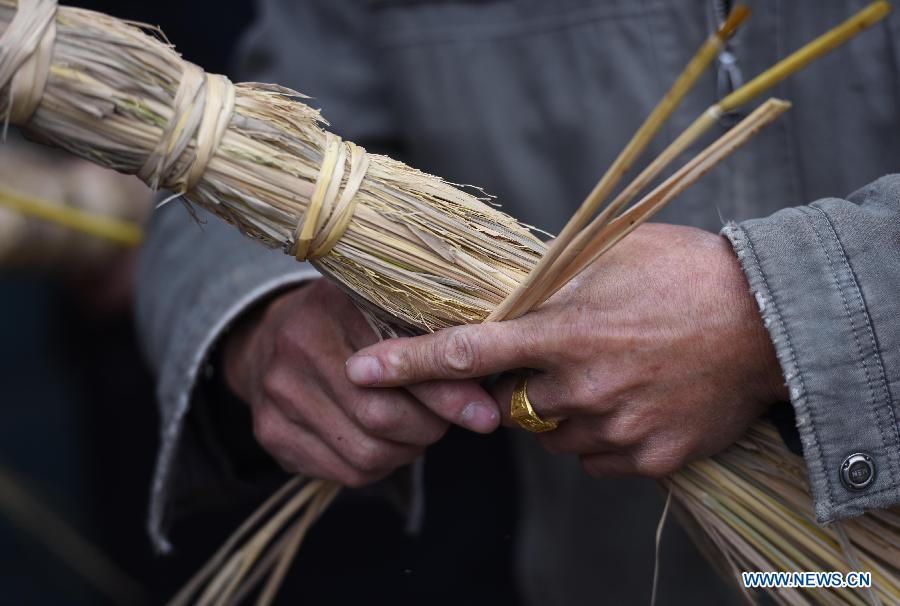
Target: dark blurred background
[{"x": 78, "y": 431}]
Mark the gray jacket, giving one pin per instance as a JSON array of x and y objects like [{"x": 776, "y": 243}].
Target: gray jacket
[{"x": 532, "y": 100}]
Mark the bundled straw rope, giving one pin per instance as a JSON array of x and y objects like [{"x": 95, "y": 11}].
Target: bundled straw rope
[
  {"x": 430, "y": 254},
  {"x": 415, "y": 249}
]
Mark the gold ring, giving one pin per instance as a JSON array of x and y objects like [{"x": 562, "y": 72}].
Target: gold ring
[{"x": 522, "y": 412}]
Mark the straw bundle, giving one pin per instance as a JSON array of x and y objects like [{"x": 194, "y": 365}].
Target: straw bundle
[
  {"x": 753, "y": 502},
  {"x": 418, "y": 253},
  {"x": 430, "y": 254}
]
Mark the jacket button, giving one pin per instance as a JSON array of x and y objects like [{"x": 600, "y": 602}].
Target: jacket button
[{"x": 857, "y": 471}]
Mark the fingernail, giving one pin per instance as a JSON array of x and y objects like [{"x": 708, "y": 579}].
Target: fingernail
[
  {"x": 479, "y": 417},
  {"x": 364, "y": 370}
]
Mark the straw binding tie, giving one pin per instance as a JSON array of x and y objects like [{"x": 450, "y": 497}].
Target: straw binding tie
[
  {"x": 202, "y": 110},
  {"x": 203, "y": 107},
  {"x": 26, "y": 50},
  {"x": 204, "y": 103},
  {"x": 330, "y": 210}
]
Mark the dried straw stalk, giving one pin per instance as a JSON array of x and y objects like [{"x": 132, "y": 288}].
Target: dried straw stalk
[
  {"x": 428, "y": 254},
  {"x": 112, "y": 229},
  {"x": 577, "y": 252},
  {"x": 526, "y": 294},
  {"x": 753, "y": 502},
  {"x": 65, "y": 215}
]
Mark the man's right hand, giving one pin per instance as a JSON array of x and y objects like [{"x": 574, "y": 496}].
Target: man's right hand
[{"x": 286, "y": 360}]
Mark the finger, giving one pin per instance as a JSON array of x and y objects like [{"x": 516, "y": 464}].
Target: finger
[
  {"x": 311, "y": 407},
  {"x": 363, "y": 452},
  {"x": 394, "y": 415},
  {"x": 501, "y": 391},
  {"x": 298, "y": 450},
  {"x": 462, "y": 352},
  {"x": 602, "y": 465},
  {"x": 579, "y": 435},
  {"x": 464, "y": 403},
  {"x": 359, "y": 332},
  {"x": 344, "y": 327},
  {"x": 547, "y": 394}
]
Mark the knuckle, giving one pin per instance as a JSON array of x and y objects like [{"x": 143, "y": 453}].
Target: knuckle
[
  {"x": 458, "y": 353},
  {"x": 274, "y": 387},
  {"x": 290, "y": 346},
  {"x": 586, "y": 393},
  {"x": 288, "y": 454},
  {"x": 265, "y": 428},
  {"x": 530, "y": 338},
  {"x": 619, "y": 440},
  {"x": 368, "y": 456},
  {"x": 576, "y": 397},
  {"x": 377, "y": 416},
  {"x": 283, "y": 343},
  {"x": 399, "y": 358},
  {"x": 626, "y": 431},
  {"x": 656, "y": 464}
]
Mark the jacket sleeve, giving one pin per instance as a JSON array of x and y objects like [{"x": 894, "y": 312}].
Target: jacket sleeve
[
  {"x": 826, "y": 278},
  {"x": 194, "y": 280}
]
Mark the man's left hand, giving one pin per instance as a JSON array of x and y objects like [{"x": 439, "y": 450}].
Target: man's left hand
[{"x": 654, "y": 356}]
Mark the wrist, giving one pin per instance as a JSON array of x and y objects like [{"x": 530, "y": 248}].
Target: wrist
[
  {"x": 237, "y": 356},
  {"x": 764, "y": 370}
]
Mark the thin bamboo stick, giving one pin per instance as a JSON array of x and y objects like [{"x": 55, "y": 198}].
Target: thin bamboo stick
[
  {"x": 698, "y": 166},
  {"x": 575, "y": 259},
  {"x": 118, "y": 231},
  {"x": 522, "y": 298},
  {"x": 849, "y": 29}
]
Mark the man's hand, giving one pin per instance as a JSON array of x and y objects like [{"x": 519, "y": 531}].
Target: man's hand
[
  {"x": 287, "y": 361},
  {"x": 654, "y": 356}
]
